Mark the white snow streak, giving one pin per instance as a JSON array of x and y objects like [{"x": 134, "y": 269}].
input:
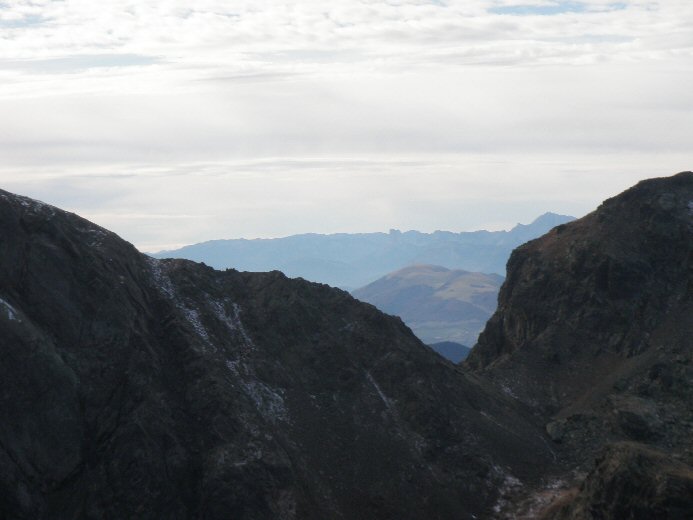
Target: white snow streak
[
  {"x": 11, "y": 311},
  {"x": 233, "y": 322},
  {"x": 164, "y": 284},
  {"x": 35, "y": 206},
  {"x": 268, "y": 401},
  {"x": 384, "y": 398}
]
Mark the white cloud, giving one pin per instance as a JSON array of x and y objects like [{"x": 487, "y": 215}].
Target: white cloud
[
  {"x": 267, "y": 37},
  {"x": 397, "y": 106}
]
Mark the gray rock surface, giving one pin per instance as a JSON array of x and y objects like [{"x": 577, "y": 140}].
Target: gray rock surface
[
  {"x": 139, "y": 388},
  {"x": 594, "y": 329},
  {"x": 631, "y": 481}
]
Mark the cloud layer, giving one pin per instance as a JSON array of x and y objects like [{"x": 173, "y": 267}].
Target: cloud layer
[{"x": 305, "y": 107}]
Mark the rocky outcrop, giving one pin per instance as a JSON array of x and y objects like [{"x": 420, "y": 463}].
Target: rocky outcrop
[
  {"x": 140, "y": 388},
  {"x": 593, "y": 330},
  {"x": 631, "y": 481}
]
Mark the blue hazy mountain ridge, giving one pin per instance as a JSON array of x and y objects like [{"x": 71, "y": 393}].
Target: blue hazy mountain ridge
[{"x": 351, "y": 260}]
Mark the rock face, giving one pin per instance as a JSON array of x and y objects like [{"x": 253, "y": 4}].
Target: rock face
[
  {"x": 594, "y": 332},
  {"x": 634, "y": 482},
  {"x": 140, "y": 388},
  {"x": 438, "y": 304}
]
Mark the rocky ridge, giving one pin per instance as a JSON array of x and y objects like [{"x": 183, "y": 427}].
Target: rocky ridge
[
  {"x": 593, "y": 333},
  {"x": 135, "y": 387}
]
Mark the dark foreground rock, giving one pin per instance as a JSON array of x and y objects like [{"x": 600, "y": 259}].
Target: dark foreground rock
[
  {"x": 632, "y": 482},
  {"x": 140, "y": 388},
  {"x": 594, "y": 332}
]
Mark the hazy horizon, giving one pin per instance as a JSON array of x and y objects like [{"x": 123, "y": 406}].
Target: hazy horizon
[
  {"x": 174, "y": 124},
  {"x": 357, "y": 232}
]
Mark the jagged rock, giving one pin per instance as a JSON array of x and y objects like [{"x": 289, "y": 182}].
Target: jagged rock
[
  {"x": 134, "y": 387},
  {"x": 594, "y": 319},
  {"x": 140, "y": 388},
  {"x": 593, "y": 332},
  {"x": 631, "y": 481},
  {"x": 636, "y": 417}
]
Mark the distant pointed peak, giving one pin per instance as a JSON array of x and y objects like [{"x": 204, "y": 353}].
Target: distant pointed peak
[
  {"x": 549, "y": 217},
  {"x": 546, "y": 221}
]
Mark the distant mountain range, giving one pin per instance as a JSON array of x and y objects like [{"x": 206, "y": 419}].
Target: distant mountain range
[
  {"x": 162, "y": 389},
  {"x": 438, "y": 304},
  {"x": 350, "y": 261}
]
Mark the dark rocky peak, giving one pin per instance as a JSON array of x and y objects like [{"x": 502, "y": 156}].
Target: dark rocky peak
[
  {"x": 593, "y": 328},
  {"x": 135, "y": 387},
  {"x": 600, "y": 284}
]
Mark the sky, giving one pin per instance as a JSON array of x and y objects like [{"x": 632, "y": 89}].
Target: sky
[{"x": 174, "y": 122}]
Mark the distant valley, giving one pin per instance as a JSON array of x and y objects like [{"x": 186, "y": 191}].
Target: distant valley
[
  {"x": 438, "y": 304},
  {"x": 350, "y": 261}
]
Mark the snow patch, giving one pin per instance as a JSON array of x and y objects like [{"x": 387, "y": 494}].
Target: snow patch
[
  {"x": 193, "y": 318},
  {"x": 233, "y": 322},
  {"x": 348, "y": 327},
  {"x": 384, "y": 398},
  {"x": 35, "y": 206},
  {"x": 10, "y": 311},
  {"x": 234, "y": 366},
  {"x": 96, "y": 236},
  {"x": 269, "y": 402},
  {"x": 164, "y": 284},
  {"x": 488, "y": 417},
  {"x": 507, "y": 390},
  {"x": 509, "y": 486}
]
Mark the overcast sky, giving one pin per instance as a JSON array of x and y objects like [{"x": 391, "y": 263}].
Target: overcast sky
[{"x": 173, "y": 122}]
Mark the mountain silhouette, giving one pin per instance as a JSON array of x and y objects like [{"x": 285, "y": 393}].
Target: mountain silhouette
[{"x": 350, "y": 261}]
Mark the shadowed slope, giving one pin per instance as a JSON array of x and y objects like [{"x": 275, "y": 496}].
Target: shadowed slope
[
  {"x": 594, "y": 326},
  {"x": 133, "y": 387}
]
